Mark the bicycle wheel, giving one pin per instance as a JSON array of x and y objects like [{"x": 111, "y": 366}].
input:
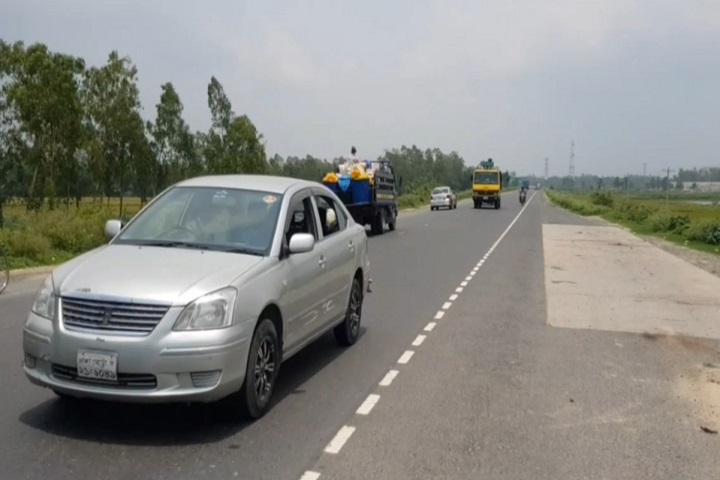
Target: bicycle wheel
[{"x": 4, "y": 270}]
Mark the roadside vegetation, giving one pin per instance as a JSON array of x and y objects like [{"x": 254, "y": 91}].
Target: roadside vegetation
[
  {"x": 689, "y": 219},
  {"x": 76, "y": 150}
]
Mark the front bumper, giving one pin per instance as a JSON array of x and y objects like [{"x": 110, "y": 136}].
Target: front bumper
[
  {"x": 485, "y": 196},
  {"x": 164, "y": 366}
]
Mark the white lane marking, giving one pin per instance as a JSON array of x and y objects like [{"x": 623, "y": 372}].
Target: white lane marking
[
  {"x": 453, "y": 297},
  {"x": 447, "y": 305},
  {"x": 472, "y": 274},
  {"x": 459, "y": 290},
  {"x": 388, "y": 378},
  {"x": 464, "y": 284},
  {"x": 429, "y": 327},
  {"x": 401, "y": 233},
  {"x": 468, "y": 278},
  {"x": 418, "y": 340},
  {"x": 368, "y": 404},
  {"x": 309, "y": 475},
  {"x": 405, "y": 357},
  {"x": 439, "y": 315},
  {"x": 340, "y": 438}
]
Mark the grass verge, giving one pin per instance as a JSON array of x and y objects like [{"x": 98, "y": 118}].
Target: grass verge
[{"x": 683, "y": 220}]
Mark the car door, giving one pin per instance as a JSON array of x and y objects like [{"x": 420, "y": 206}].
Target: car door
[
  {"x": 337, "y": 244},
  {"x": 304, "y": 274}
]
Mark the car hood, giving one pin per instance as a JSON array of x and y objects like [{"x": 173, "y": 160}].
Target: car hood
[{"x": 134, "y": 273}]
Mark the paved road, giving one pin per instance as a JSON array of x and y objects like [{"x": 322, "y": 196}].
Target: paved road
[{"x": 490, "y": 393}]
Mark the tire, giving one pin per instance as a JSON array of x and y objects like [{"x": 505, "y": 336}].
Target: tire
[
  {"x": 265, "y": 354},
  {"x": 393, "y": 223},
  {"x": 377, "y": 224},
  {"x": 348, "y": 331},
  {"x": 4, "y": 270}
]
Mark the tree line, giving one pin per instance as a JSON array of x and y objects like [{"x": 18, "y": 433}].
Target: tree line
[{"x": 69, "y": 130}]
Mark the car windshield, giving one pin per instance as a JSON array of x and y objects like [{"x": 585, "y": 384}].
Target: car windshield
[
  {"x": 486, "y": 178},
  {"x": 439, "y": 191},
  {"x": 223, "y": 219}
]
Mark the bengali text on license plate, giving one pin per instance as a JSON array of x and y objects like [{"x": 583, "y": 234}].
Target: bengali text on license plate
[{"x": 102, "y": 366}]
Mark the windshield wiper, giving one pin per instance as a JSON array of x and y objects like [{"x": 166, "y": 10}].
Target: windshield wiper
[
  {"x": 172, "y": 244},
  {"x": 242, "y": 250}
]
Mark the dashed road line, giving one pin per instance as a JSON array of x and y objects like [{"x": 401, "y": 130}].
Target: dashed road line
[
  {"x": 418, "y": 340},
  {"x": 338, "y": 442},
  {"x": 388, "y": 378},
  {"x": 344, "y": 434},
  {"x": 405, "y": 357},
  {"x": 368, "y": 404}
]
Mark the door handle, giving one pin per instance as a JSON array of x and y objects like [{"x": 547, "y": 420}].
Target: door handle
[
  {"x": 351, "y": 246},
  {"x": 321, "y": 262}
]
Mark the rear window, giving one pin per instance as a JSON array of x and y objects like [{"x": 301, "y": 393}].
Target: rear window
[{"x": 438, "y": 191}]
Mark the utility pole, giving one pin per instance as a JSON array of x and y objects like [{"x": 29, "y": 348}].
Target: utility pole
[
  {"x": 645, "y": 169},
  {"x": 571, "y": 169},
  {"x": 547, "y": 162},
  {"x": 667, "y": 184}
]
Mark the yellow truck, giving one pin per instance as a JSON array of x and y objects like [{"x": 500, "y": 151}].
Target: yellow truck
[{"x": 487, "y": 184}]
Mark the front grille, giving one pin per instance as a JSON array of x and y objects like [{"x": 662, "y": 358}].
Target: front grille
[
  {"x": 140, "y": 381},
  {"x": 123, "y": 317}
]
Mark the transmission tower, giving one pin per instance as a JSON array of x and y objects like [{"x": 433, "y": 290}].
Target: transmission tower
[
  {"x": 572, "y": 159},
  {"x": 547, "y": 163},
  {"x": 644, "y": 169}
]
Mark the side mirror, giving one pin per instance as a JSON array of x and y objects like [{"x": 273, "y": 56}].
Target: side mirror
[
  {"x": 112, "y": 228},
  {"x": 301, "y": 243}
]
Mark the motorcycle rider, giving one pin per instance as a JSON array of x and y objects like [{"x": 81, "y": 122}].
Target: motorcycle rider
[{"x": 523, "y": 194}]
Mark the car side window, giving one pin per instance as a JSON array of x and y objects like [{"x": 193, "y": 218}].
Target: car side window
[
  {"x": 301, "y": 219},
  {"x": 332, "y": 219}
]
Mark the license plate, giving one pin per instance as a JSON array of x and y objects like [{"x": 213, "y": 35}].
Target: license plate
[
  {"x": 486, "y": 198},
  {"x": 100, "y": 366}
]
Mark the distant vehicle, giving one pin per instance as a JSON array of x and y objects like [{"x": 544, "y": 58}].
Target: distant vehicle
[
  {"x": 487, "y": 184},
  {"x": 443, "y": 197},
  {"x": 370, "y": 200},
  {"x": 525, "y": 184},
  {"x": 202, "y": 295}
]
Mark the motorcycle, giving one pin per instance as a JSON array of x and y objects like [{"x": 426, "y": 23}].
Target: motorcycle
[{"x": 522, "y": 197}]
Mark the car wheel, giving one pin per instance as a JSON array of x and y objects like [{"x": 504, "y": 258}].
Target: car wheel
[
  {"x": 261, "y": 372},
  {"x": 348, "y": 331}
]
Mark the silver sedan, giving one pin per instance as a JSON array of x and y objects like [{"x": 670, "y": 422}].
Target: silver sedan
[
  {"x": 443, "y": 197},
  {"x": 202, "y": 295}
]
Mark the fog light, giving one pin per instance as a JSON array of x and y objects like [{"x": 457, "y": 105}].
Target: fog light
[
  {"x": 205, "y": 379},
  {"x": 30, "y": 361}
]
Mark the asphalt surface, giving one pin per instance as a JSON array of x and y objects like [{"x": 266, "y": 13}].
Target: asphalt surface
[{"x": 491, "y": 392}]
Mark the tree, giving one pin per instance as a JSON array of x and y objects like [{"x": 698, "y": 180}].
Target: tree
[
  {"x": 42, "y": 88},
  {"x": 112, "y": 104}
]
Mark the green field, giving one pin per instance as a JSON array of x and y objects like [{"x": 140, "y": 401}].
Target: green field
[
  {"x": 688, "y": 219},
  {"x": 54, "y": 236}
]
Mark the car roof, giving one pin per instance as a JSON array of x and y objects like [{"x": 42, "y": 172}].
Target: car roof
[
  {"x": 266, "y": 183},
  {"x": 441, "y": 187}
]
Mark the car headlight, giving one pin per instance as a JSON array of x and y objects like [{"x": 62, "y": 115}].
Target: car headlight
[
  {"x": 214, "y": 310},
  {"x": 45, "y": 300}
]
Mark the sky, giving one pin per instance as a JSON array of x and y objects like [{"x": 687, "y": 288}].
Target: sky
[{"x": 630, "y": 82}]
